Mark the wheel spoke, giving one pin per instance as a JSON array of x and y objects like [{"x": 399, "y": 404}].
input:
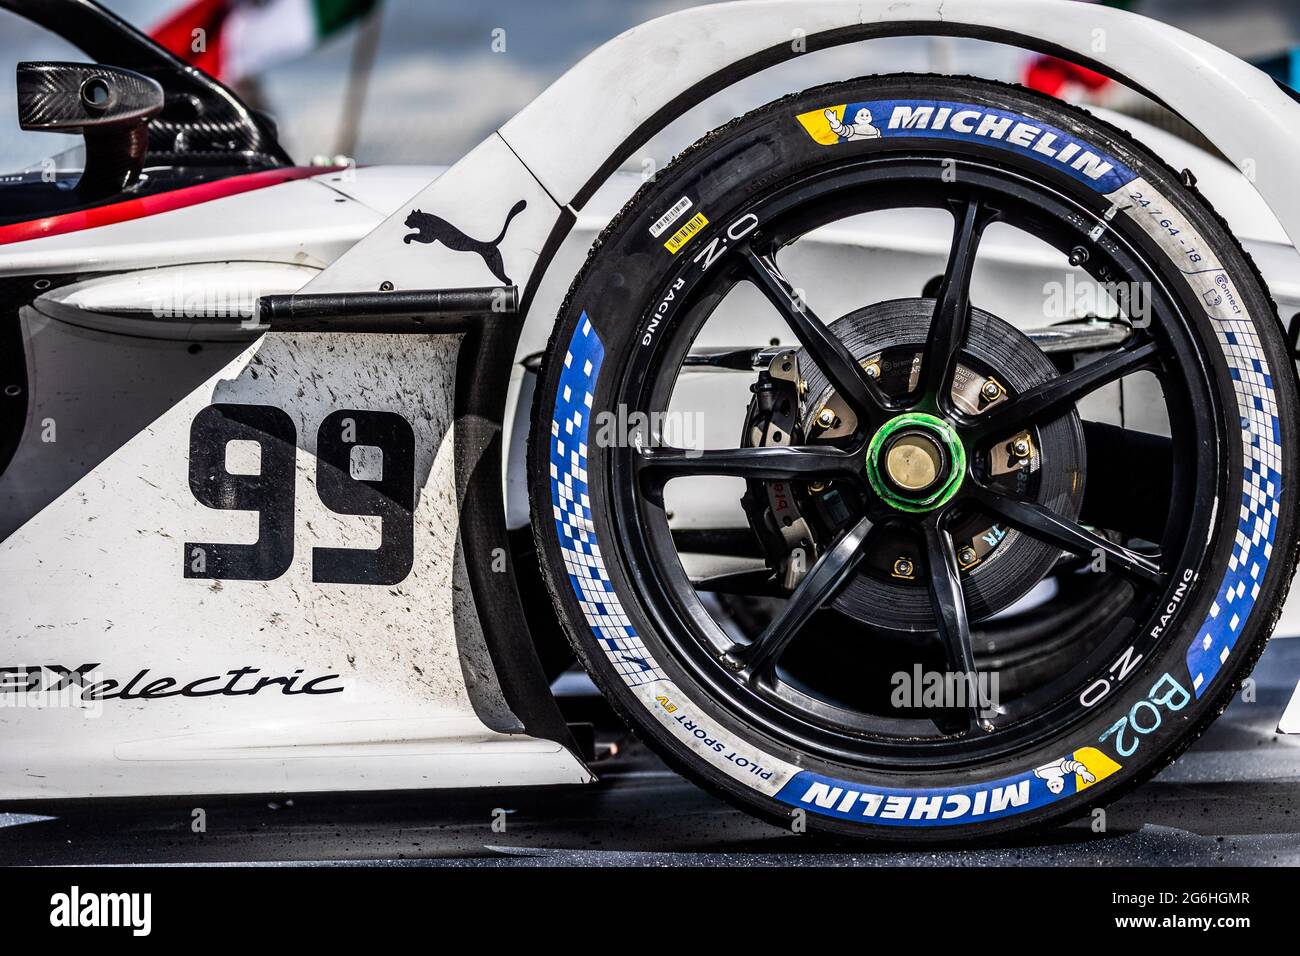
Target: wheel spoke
[
  {"x": 817, "y": 587},
  {"x": 737, "y": 359},
  {"x": 1068, "y": 535},
  {"x": 1054, "y": 397},
  {"x": 952, "y": 304},
  {"x": 759, "y": 582},
  {"x": 659, "y": 465},
  {"x": 822, "y": 345},
  {"x": 949, "y": 603}
]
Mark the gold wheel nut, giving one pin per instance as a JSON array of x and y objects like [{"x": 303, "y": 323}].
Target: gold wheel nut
[
  {"x": 903, "y": 567},
  {"x": 825, "y": 418},
  {"x": 967, "y": 556},
  {"x": 991, "y": 390}
]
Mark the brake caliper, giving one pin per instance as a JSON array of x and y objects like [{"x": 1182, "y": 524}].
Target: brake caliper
[{"x": 773, "y": 511}]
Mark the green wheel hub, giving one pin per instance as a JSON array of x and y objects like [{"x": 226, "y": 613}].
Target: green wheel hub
[{"x": 916, "y": 462}]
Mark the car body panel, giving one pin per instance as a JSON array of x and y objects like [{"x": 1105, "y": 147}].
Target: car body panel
[{"x": 404, "y": 692}]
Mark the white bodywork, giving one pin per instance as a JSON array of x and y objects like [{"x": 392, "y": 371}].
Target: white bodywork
[
  {"x": 421, "y": 707},
  {"x": 1290, "y": 722},
  {"x": 593, "y": 115},
  {"x": 95, "y": 575}
]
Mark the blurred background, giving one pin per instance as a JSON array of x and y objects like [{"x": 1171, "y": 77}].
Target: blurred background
[{"x": 422, "y": 81}]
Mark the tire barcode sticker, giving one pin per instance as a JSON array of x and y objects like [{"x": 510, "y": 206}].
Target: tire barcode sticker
[
  {"x": 670, "y": 217},
  {"x": 684, "y": 234}
]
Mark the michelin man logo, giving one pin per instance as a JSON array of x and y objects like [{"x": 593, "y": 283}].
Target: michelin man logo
[
  {"x": 860, "y": 128},
  {"x": 1054, "y": 773}
]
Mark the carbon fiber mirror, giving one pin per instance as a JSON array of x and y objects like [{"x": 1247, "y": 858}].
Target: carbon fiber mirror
[{"x": 111, "y": 107}]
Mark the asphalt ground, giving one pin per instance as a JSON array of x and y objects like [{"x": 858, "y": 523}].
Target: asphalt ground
[{"x": 1233, "y": 799}]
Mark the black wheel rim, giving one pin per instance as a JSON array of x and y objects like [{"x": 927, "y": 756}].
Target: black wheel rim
[{"x": 747, "y": 676}]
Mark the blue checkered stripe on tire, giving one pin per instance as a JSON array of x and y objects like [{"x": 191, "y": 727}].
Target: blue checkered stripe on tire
[
  {"x": 1260, "y": 501},
  {"x": 570, "y": 427}
]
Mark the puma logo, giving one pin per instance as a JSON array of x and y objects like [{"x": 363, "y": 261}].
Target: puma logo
[{"x": 430, "y": 228}]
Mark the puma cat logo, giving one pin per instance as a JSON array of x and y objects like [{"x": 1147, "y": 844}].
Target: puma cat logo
[{"x": 431, "y": 228}]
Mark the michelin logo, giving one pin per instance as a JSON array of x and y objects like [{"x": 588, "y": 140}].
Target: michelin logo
[
  {"x": 966, "y": 121},
  {"x": 950, "y": 806},
  {"x": 1000, "y": 126},
  {"x": 916, "y": 808}
]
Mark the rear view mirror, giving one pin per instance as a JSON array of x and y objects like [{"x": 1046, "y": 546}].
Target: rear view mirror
[{"x": 111, "y": 107}]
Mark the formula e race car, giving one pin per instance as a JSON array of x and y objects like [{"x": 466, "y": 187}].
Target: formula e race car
[{"x": 907, "y": 460}]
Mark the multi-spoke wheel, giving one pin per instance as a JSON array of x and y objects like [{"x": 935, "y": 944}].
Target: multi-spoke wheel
[{"x": 942, "y": 561}]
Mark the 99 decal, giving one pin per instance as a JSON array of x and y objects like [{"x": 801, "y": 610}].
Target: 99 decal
[{"x": 365, "y": 465}]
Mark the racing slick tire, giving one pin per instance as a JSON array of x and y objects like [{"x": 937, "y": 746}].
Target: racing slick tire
[{"x": 1207, "y": 585}]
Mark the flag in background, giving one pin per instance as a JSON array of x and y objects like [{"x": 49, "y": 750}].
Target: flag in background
[
  {"x": 1051, "y": 75},
  {"x": 241, "y": 38},
  {"x": 1054, "y": 76}
]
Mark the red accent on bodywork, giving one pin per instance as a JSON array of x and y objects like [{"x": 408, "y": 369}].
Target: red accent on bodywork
[{"x": 152, "y": 205}]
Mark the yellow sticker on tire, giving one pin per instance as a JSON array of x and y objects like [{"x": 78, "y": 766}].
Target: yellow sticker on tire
[{"x": 684, "y": 234}]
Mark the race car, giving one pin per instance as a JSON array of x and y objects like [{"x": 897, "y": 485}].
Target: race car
[{"x": 907, "y": 460}]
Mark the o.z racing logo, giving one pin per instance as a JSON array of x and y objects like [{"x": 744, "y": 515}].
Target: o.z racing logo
[{"x": 716, "y": 246}]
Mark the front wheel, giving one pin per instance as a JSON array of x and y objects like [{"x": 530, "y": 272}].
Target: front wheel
[{"x": 916, "y": 570}]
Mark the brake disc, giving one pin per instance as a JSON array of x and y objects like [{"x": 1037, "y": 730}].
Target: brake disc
[{"x": 795, "y": 521}]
